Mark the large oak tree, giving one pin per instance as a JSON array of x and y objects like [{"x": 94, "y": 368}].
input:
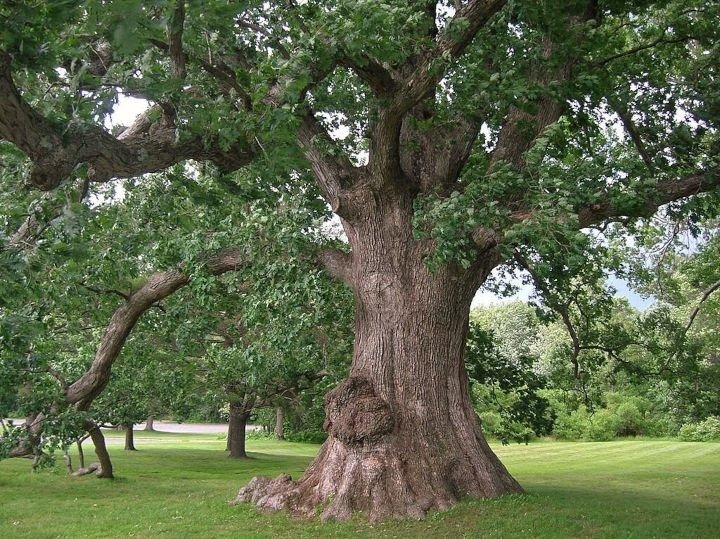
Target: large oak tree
[{"x": 448, "y": 137}]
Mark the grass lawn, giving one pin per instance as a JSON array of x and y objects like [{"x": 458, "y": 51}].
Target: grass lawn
[{"x": 177, "y": 485}]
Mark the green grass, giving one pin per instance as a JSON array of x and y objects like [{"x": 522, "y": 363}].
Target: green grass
[{"x": 177, "y": 486}]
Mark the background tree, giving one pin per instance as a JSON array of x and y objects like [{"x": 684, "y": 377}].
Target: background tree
[{"x": 505, "y": 383}]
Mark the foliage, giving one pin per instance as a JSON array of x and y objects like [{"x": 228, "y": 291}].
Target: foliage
[
  {"x": 639, "y": 375},
  {"x": 703, "y": 431},
  {"x": 622, "y": 416},
  {"x": 292, "y": 320},
  {"x": 548, "y": 116},
  {"x": 505, "y": 385}
]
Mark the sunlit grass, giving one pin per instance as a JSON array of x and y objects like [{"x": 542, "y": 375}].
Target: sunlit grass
[{"x": 177, "y": 485}]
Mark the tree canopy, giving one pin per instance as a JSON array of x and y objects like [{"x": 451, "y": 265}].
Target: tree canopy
[{"x": 450, "y": 138}]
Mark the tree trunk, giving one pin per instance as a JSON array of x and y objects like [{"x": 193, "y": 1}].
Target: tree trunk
[
  {"x": 129, "y": 437},
  {"x": 280, "y": 423},
  {"x": 101, "y": 451},
  {"x": 81, "y": 453},
  {"x": 150, "y": 424},
  {"x": 236, "y": 430},
  {"x": 403, "y": 435}
]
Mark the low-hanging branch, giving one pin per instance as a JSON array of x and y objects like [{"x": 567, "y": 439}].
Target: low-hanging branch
[
  {"x": 158, "y": 286},
  {"x": 81, "y": 393}
]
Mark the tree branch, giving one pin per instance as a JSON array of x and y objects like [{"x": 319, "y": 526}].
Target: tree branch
[
  {"x": 420, "y": 83},
  {"x": 147, "y": 146},
  {"x": 632, "y": 132},
  {"x": 30, "y": 131},
  {"x": 645, "y": 46},
  {"x": 123, "y": 295},
  {"x": 376, "y": 75},
  {"x": 221, "y": 71},
  {"x": 706, "y": 294},
  {"x": 174, "y": 33},
  {"x": 563, "y": 309},
  {"x": 159, "y": 286},
  {"x": 332, "y": 173},
  {"x": 664, "y": 192}
]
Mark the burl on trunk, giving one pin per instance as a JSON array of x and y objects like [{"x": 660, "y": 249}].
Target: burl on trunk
[{"x": 403, "y": 436}]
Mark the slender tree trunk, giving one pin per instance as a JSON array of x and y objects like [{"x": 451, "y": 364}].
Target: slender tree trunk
[
  {"x": 150, "y": 424},
  {"x": 68, "y": 462},
  {"x": 280, "y": 423},
  {"x": 129, "y": 437},
  {"x": 236, "y": 430},
  {"x": 81, "y": 453},
  {"x": 101, "y": 451},
  {"x": 403, "y": 435}
]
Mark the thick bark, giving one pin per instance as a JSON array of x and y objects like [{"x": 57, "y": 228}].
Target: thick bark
[
  {"x": 236, "y": 430},
  {"x": 279, "y": 423},
  {"x": 129, "y": 437},
  {"x": 160, "y": 285},
  {"x": 403, "y": 435},
  {"x": 150, "y": 424}
]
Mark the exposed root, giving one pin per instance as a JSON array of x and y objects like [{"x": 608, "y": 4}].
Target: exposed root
[
  {"x": 268, "y": 494},
  {"x": 377, "y": 482},
  {"x": 94, "y": 467},
  {"x": 375, "y": 464}
]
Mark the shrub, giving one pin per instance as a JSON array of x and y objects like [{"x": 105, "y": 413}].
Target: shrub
[
  {"x": 630, "y": 420},
  {"x": 571, "y": 425},
  {"x": 310, "y": 436},
  {"x": 499, "y": 427},
  {"x": 602, "y": 426},
  {"x": 704, "y": 431}
]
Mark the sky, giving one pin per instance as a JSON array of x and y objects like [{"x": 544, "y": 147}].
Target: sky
[{"x": 484, "y": 298}]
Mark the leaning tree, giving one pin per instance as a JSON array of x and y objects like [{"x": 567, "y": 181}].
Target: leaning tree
[{"x": 449, "y": 138}]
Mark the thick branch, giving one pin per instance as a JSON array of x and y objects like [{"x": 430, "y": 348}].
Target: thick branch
[
  {"x": 31, "y": 439},
  {"x": 332, "y": 173},
  {"x": 158, "y": 287},
  {"x": 147, "y": 146},
  {"x": 174, "y": 32},
  {"x": 376, "y": 75},
  {"x": 432, "y": 159},
  {"x": 521, "y": 129},
  {"x": 30, "y": 131},
  {"x": 385, "y": 144},
  {"x": 664, "y": 192}
]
